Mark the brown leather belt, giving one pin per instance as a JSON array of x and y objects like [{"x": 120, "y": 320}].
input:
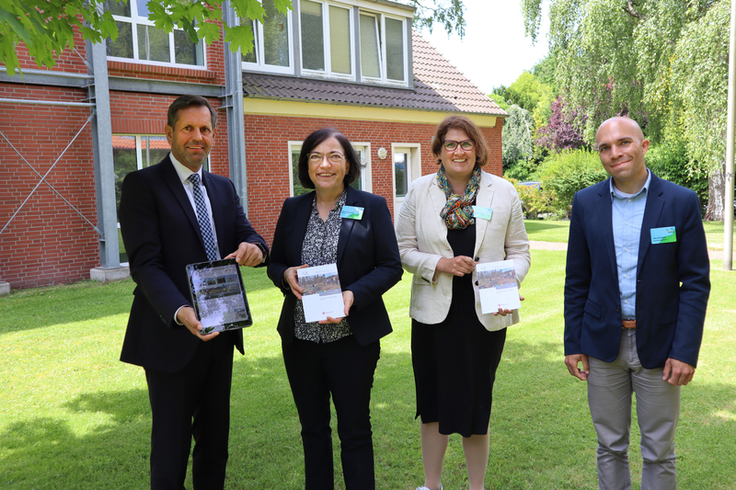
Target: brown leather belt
[{"x": 628, "y": 323}]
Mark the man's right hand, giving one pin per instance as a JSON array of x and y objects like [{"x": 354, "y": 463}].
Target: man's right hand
[
  {"x": 573, "y": 361},
  {"x": 188, "y": 317}
]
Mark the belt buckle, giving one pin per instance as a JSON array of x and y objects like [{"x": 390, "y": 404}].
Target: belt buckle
[{"x": 629, "y": 324}]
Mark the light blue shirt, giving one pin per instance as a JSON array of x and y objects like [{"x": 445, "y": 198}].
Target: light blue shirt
[{"x": 627, "y": 216}]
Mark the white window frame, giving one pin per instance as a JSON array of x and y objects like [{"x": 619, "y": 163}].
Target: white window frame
[
  {"x": 259, "y": 47},
  {"x": 135, "y": 20},
  {"x": 414, "y": 170},
  {"x": 383, "y": 68},
  {"x": 328, "y": 73}
]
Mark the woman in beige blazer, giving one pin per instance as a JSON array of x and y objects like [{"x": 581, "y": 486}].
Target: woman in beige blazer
[{"x": 455, "y": 347}]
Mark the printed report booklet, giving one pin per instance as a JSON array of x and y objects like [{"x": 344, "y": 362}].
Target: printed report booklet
[
  {"x": 498, "y": 287},
  {"x": 322, "y": 294}
]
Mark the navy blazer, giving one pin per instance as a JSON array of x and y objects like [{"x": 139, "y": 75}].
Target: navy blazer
[
  {"x": 672, "y": 285},
  {"x": 161, "y": 236},
  {"x": 368, "y": 261}
]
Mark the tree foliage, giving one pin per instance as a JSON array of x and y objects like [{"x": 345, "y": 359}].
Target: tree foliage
[
  {"x": 662, "y": 62},
  {"x": 563, "y": 131},
  {"x": 47, "y": 27},
  {"x": 517, "y": 134}
]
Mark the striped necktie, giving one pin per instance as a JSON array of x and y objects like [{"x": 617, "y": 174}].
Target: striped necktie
[{"x": 203, "y": 218}]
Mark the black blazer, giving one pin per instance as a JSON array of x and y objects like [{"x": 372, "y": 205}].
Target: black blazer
[
  {"x": 368, "y": 261},
  {"x": 161, "y": 236},
  {"x": 672, "y": 284}
]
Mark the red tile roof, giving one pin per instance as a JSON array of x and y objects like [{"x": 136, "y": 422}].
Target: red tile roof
[{"x": 438, "y": 86}]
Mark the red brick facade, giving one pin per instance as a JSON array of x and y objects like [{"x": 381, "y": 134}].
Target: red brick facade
[{"x": 47, "y": 241}]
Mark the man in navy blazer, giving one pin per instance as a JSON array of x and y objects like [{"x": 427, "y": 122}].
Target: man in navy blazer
[
  {"x": 188, "y": 374},
  {"x": 636, "y": 291}
]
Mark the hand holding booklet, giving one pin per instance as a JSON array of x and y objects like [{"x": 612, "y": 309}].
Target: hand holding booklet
[
  {"x": 497, "y": 286},
  {"x": 321, "y": 292}
]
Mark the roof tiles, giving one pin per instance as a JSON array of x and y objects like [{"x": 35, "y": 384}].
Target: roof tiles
[{"x": 438, "y": 86}]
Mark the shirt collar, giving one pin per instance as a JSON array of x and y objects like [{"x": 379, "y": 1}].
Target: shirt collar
[
  {"x": 182, "y": 171},
  {"x": 616, "y": 193}
]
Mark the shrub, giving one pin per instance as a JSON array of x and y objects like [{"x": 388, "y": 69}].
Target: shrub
[
  {"x": 669, "y": 161},
  {"x": 534, "y": 199},
  {"x": 565, "y": 173}
]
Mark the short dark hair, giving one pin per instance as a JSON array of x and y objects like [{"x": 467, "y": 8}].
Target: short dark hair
[
  {"x": 314, "y": 140},
  {"x": 184, "y": 102},
  {"x": 467, "y": 126}
]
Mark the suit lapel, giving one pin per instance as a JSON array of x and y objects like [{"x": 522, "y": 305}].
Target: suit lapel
[
  {"x": 483, "y": 199},
  {"x": 171, "y": 178},
  {"x": 346, "y": 228},
  {"x": 604, "y": 216},
  {"x": 652, "y": 212}
]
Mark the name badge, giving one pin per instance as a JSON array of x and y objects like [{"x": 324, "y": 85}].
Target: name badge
[
  {"x": 352, "y": 212},
  {"x": 663, "y": 235},
  {"x": 482, "y": 213}
]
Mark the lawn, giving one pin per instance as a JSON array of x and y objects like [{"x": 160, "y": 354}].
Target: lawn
[{"x": 73, "y": 417}]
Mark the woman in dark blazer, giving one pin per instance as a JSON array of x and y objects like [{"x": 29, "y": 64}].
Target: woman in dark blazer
[{"x": 335, "y": 357}]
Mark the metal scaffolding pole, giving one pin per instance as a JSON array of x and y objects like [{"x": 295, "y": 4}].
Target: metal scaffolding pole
[
  {"x": 233, "y": 102},
  {"x": 730, "y": 134}
]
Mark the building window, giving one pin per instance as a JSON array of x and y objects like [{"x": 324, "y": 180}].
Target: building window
[
  {"x": 363, "y": 183},
  {"x": 383, "y": 53},
  {"x": 271, "y": 42},
  {"x": 326, "y": 39},
  {"x": 139, "y": 39},
  {"x": 130, "y": 153},
  {"x": 407, "y": 168}
]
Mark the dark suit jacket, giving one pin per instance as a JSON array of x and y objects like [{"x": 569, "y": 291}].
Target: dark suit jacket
[
  {"x": 368, "y": 261},
  {"x": 672, "y": 285},
  {"x": 161, "y": 236}
]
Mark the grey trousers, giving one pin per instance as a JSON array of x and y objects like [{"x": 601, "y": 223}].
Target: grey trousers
[{"x": 610, "y": 386}]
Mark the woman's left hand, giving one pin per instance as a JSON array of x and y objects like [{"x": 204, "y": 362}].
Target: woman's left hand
[
  {"x": 503, "y": 312},
  {"x": 347, "y": 298}
]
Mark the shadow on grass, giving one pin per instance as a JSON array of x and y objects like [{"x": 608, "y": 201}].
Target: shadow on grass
[{"x": 541, "y": 434}]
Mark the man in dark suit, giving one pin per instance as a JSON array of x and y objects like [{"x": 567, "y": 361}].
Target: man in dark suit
[
  {"x": 168, "y": 220},
  {"x": 636, "y": 290}
]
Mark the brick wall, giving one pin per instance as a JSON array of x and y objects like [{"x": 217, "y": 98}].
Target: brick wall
[{"x": 47, "y": 242}]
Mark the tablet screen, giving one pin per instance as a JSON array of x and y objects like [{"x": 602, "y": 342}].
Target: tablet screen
[{"x": 218, "y": 295}]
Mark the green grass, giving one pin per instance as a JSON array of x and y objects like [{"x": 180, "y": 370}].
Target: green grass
[{"x": 73, "y": 417}]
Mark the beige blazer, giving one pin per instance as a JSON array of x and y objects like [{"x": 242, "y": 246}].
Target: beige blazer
[{"x": 422, "y": 237}]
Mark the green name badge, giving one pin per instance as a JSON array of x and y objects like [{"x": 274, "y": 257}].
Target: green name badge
[
  {"x": 663, "y": 235},
  {"x": 480, "y": 212},
  {"x": 352, "y": 212}
]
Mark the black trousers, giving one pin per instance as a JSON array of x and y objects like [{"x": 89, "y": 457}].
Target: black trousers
[
  {"x": 192, "y": 402},
  {"x": 343, "y": 369}
]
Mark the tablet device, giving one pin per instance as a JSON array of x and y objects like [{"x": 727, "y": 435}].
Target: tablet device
[{"x": 218, "y": 295}]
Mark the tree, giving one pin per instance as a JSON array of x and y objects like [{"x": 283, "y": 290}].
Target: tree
[
  {"x": 563, "y": 129},
  {"x": 527, "y": 91},
  {"x": 47, "y": 27},
  {"x": 517, "y": 136},
  {"x": 619, "y": 57}
]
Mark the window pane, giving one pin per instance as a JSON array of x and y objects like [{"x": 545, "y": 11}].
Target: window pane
[
  {"x": 123, "y": 45},
  {"x": 313, "y": 46},
  {"x": 252, "y": 56},
  {"x": 153, "y": 44},
  {"x": 394, "y": 49},
  {"x": 401, "y": 161},
  {"x": 185, "y": 51},
  {"x": 142, "y": 8},
  {"x": 369, "y": 54},
  {"x": 124, "y": 162},
  {"x": 357, "y": 183},
  {"x": 340, "y": 40},
  {"x": 298, "y": 188},
  {"x": 153, "y": 150},
  {"x": 117, "y": 8},
  {"x": 275, "y": 36}
]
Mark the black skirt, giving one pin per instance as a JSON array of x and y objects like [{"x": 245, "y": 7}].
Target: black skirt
[{"x": 455, "y": 361}]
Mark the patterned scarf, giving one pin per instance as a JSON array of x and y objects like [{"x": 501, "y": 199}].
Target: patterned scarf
[{"x": 458, "y": 210}]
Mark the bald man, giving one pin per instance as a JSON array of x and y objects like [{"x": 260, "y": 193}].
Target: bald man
[{"x": 636, "y": 289}]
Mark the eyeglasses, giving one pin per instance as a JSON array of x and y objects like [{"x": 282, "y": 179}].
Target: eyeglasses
[
  {"x": 335, "y": 157},
  {"x": 451, "y": 145}
]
